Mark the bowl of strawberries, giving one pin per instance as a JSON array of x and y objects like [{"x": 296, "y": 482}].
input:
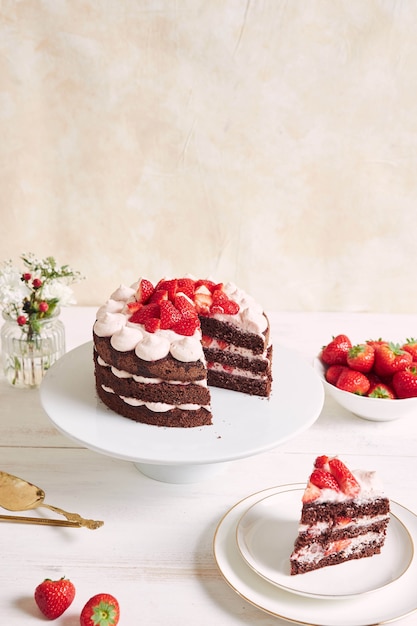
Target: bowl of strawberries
[{"x": 375, "y": 380}]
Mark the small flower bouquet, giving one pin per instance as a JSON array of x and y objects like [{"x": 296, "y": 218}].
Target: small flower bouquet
[{"x": 32, "y": 336}]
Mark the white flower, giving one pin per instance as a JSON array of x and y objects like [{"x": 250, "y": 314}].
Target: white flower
[
  {"x": 12, "y": 289},
  {"x": 58, "y": 290}
]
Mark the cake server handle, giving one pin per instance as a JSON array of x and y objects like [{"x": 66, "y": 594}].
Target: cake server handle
[{"x": 43, "y": 521}]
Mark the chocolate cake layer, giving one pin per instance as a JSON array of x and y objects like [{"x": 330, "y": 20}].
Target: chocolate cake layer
[
  {"x": 328, "y": 511},
  {"x": 173, "y": 418},
  {"x": 167, "y": 368},
  {"x": 255, "y": 365},
  {"x": 250, "y": 386},
  {"x": 226, "y": 332},
  {"x": 337, "y": 557},
  {"x": 169, "y": 393}
]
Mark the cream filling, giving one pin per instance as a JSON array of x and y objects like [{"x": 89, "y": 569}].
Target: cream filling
[
  {"x": 157, "y": 407},
  {"x": 321, "y": 527},
  {"x": 235, "y": 371},
  {"x": 315, "y": 552},
  {"x": 149, "y": 381},
  {"x": 232, "y": 349}
]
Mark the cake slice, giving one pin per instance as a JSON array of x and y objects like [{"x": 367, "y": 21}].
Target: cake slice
[{"x": 344, "y": 517}]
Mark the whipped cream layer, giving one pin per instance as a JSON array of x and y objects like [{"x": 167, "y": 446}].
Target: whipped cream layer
[
  {"x": 315, "y": 551},
  {"x": 371, "y": 488},
  {"x": 112, "y": 320},
  {"x": 157, "y": 407}
]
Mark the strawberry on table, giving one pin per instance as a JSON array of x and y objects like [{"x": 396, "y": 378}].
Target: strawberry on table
[
  {"x": 100, "y": 610},
  {"x": 53, "y": 597},
  {"x": 335, "y": 353},
  {"x": 390, "y": 358},
  {"x": 354, "y": 382},
  {"x": 405, "y": 382},
  {"x": 361, "y": 357}
]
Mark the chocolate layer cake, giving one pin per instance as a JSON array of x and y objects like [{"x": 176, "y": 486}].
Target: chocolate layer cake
[
  {"x": 150, "y": 356},
  {"x": 344, "y": 517}
]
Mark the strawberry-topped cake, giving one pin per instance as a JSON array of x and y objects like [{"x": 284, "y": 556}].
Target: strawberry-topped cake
[
  {"x": 158, "y": 347},
  {"x": 344, "y": 516}
]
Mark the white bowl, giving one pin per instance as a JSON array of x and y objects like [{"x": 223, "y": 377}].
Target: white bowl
[{"x": 375, "y": 409}]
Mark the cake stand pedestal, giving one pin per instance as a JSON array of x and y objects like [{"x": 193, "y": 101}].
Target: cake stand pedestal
[{"x": 242, "y": 425}]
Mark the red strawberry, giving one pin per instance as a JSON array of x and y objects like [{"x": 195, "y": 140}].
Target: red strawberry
[
  {"x": 206, "y": 341},
  {"x": 333, "y": 372},
  {"x": 203, "y": 302},
  {"x": 405, "y": 382},
  {"x": 53, "y": 597},
  {"x": 335, "y": 353},
  {"x": 390, "y": 358},
  {"x": 152, "y": 324},
  {"x": 169, "y": 314},
  {"x": 381, "y": 390},
  {"x": 324, "y": 480},
  {"x": 230, "y": 307},
  {"x": 144, "y": 291},
  {"x": 353, "y": 381},
  {"x": 186, "y": 326},
  {"x": 208, "y": 284},
  {"x": 311, "y": 493},
  {"x": 186, "y": 286},
  {"x": 158, "y": 296},
  {"x": 219, "y": 297},
  {"x": 134, "y": 306},
  {"x": 145, "y": 313},
  {"x": 361, "y": 357},
  {"x": 322, "y": 462},
  {"x": 411, "y": 347},
  {"x": 100, "y": 610},
  {"x": 347, "y": 482},
  {"x": 376, "y": 342},
  {"x": 185, "y": 306}
]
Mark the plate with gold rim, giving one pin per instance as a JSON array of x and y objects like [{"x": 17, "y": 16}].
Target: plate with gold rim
[
  {"x": 393, "y": 602},
  {"x": 265, "y": 537}
]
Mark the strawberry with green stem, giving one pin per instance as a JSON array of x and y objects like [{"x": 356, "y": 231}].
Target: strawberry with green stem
[{"x": 100, "y": 610}]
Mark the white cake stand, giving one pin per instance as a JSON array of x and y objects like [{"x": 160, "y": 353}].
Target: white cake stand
[{"x": 242, "y": 425}]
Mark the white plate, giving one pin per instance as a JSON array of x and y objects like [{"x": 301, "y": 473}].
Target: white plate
[
  {"x": 391, "y": 603},
  {"x": 266, "y": 534},
  {"x": 242, "y": 425}
]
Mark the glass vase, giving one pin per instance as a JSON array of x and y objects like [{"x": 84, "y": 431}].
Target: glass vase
[{"x": 26, "y": 358}]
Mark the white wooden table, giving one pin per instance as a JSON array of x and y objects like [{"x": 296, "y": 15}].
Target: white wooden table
[{"x": 154, "y": 551}]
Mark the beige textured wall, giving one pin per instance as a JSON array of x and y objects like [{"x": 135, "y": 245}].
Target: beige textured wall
[{"x": 268, "y": 142}]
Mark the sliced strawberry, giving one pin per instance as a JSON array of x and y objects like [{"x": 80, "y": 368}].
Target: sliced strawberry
[
  {"x": 152, "y": 324},
  {"x": 158, "y": 296},
  {"x": 186, "y": 286},
  {"x": 324, "y": 480},
  {"x": 134, "y": 306},
  {"x": 231, "y": 308},
  {"x": 343, "y": 521},
  {"x": 311, "y": 493},
  {"x": 216, "y": 309},
  {"x": 144, "y": 291},
  {"x": 203, "y": 302},
  {"x": 209, "y": 284},
  {"x": 145, "y": 313},
  {"x": 185, "y": 306},
  {"x": 186, "y": 326},
  {"x": 169, "y": 314},
  {"x": 206, "y": 341},
  {"x": 347, "y": 482},
  {"x": 322, "y": 462},
  {"x": 219, "y": 297}
]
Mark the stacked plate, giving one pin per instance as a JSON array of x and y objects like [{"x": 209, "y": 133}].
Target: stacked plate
[{"x": 252, "y": 546}]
